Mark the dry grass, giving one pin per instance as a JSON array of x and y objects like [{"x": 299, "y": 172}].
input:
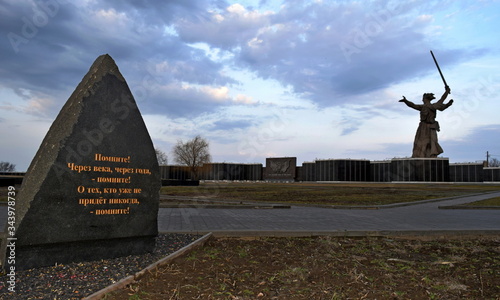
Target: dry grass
[
  {"x": 328, "y": 268},
  {"x": 327, "y": 194},
  {"x": 488, "y": 202}
]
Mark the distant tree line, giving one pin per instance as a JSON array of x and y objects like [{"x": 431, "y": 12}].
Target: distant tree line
[
  {"x": 7, "y": 167},
  {"x": 193, "y": 153},
  {"x": 493, "y": 162},
  {"x": 162, "y": 157}
]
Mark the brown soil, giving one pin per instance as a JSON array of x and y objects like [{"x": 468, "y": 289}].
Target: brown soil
[{"x": 328, "y": 268}]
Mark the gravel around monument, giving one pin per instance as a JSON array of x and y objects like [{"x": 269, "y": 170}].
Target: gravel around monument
[
  {"x": 81, "y": 279},
  {"x": 328, "y": 268}
]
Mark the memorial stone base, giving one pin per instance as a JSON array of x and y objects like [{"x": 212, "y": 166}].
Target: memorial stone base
[{"x": 28, "y": 257}]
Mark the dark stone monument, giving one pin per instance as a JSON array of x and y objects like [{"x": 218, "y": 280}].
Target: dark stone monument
[
  {"x": 92, "y": 190},
  {"x": 420, "y": 169},
  {"x": 280, "y": 169},
  {"x": 491, "y": 174},
  {"x": 253, "y": 172},
  {"x": 342, "y": 170},
  {"x": 380, "y": 171},
  {"x": 308, "y": 171},
  {"x": 175, "y": 173},
  {"x": 466, "y": 172},
  {"x": 231, "y": 171}
]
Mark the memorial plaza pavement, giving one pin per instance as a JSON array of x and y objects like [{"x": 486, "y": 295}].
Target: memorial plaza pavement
[{"x": 425, "y": 217}]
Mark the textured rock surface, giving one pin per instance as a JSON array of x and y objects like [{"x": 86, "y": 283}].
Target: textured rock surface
[{"x": 92, "y": 189}]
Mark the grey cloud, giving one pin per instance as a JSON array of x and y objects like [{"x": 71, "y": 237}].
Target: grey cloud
[
  {"x": 300, "y": 46},
  {"x": 51, "y": 62},
  {"x": 228, "y": 34},
  {"x": 327, "y": 51},
  {"x": 158, "y": 12},
  {"x": 178, "y": 102},
  {"x": 231, "y": 124},
  {"x": 480, "y": 140}
]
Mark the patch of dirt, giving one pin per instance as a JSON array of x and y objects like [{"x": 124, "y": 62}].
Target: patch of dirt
[{"x": 328, "y": 268}]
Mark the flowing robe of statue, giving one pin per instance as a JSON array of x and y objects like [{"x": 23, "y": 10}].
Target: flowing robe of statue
[{"x": 426, "y": 141}]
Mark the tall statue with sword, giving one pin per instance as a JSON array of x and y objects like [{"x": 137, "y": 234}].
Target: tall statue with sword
[{"x": 426, "y": 142}]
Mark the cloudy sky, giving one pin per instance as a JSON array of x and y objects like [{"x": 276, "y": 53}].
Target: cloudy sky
[{"x": 261, "y": 78}]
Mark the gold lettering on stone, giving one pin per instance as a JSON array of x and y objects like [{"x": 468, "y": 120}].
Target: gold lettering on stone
[
  {"x": 113, "y": 211},
  {"x": 90, "y": 194},
  {"x": 100, "y": 157}
]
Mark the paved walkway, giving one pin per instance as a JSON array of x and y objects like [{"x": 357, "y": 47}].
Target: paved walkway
[
  {"x": 301, "y": 220},
  {"x": 314, "y": 220}
]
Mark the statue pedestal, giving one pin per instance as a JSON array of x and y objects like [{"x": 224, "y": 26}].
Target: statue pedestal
[{"x": 420, "y": 169}]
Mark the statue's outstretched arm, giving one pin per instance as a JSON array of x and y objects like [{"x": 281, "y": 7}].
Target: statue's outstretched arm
[
  {"x": 410, "y": 104},
  {"x": 445, "y": 106}
]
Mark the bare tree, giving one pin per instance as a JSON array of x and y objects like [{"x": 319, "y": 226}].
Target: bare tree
[
  {"x": 7, "y": 167},
  {"x": 162, "y": 157},
  {"x": 494, "y": 162},
  {"x": 193, "y": 153}
]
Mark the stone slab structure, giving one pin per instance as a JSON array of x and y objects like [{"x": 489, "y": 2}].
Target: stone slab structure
[
  {"x": 253, "y": 172},
  {"x": 342, "y": 170},
  {"x": 281, "y": 169},
  {"x": 92, "y": 190},
  {"x": 175, "y": 173},
  {"x": 420, "y": 169},
  {"x": 466, "y": 172},
  {"x": 381, "y": 171},
  {"x": 308, "y": 171},
  {"x": 231, "y": 171},
  {"x": 491, "y": 174}
]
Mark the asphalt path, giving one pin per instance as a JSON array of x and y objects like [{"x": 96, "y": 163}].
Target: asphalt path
[
  {"x": 425, "y": 216},
  {"x": 421, "y": 217}
]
